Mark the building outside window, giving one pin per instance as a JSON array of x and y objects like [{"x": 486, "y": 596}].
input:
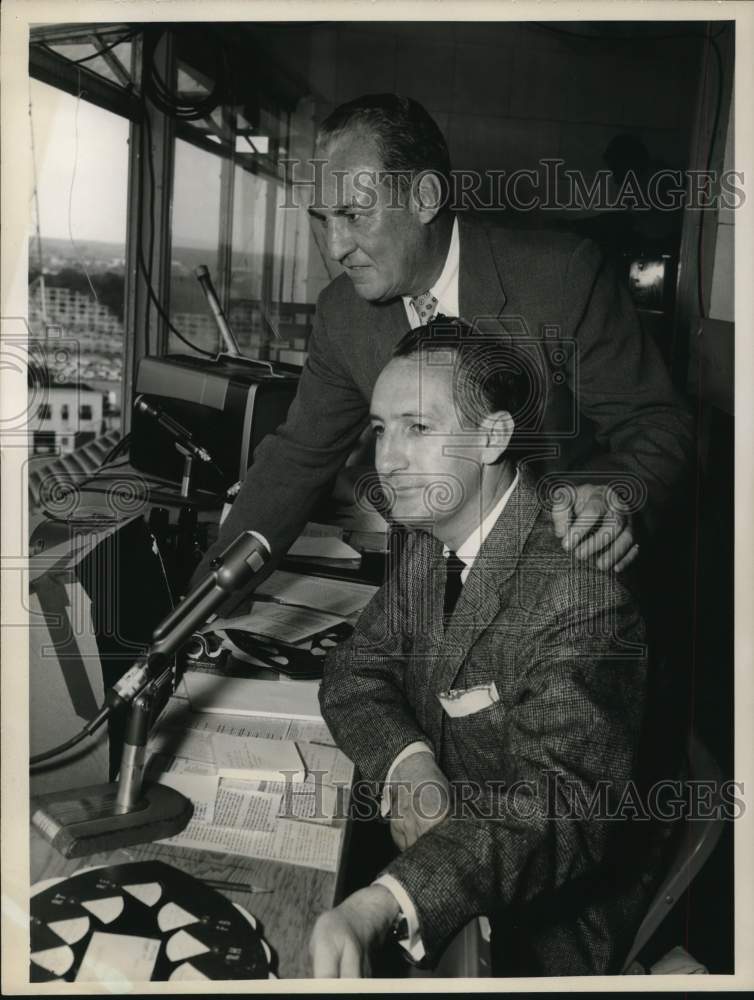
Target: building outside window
[{"x": 78, "y": 228}]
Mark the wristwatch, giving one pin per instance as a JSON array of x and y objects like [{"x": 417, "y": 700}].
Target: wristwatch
[
  {"x": 399, "y": 929},
  {"x": 399, "y": 934}
]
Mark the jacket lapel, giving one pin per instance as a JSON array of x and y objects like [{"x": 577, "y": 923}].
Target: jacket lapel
[
  {"x": 387, "y": 324},
  {"x": 481, "y": 296},
  {"x": 485, "y": 589}
]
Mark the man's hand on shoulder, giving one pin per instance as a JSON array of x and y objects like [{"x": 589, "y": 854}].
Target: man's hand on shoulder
[
  {"x": 419, "y": 798},
  {"x": 591, "y": 525},
  {"x": 343, "y": 938}
]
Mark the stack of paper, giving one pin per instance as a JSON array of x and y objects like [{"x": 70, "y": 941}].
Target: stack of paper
[
  {"x": 323, "y": 544},
  {"x": 253, "y": 759},
  {"x": 236, "y": 696},
  {"x": 258, "y": 811},
  {"x": 336, "y": 597}
]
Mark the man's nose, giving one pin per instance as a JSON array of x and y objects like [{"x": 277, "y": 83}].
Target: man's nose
[
  {"x": 339, "y": 239},
  {"x": 389, "y": 455}
]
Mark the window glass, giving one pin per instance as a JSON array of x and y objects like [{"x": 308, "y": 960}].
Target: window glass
[
  {"x": 269, "y": 281},
  {"x": 251, "y": 195},
  {"x": 195, "y": 234},
  {"x": 77, "y": 243},
  {"x": 114, "y": 66},
  {"x": 275, "y": 266}
]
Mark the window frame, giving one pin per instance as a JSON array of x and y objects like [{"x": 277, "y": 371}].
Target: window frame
[{"x": 148, "y": 125}]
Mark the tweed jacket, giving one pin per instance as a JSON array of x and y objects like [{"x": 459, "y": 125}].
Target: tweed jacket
[
  {"x": 610, "y": 408},
  {"x": 563, "y": 645}
]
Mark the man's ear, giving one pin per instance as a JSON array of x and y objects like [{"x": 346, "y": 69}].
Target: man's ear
[
  {"x": 498, "y": 428},
  {"x": 427, "y": 194}
]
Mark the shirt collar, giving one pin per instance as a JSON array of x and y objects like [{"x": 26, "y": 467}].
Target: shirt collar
[
  {"x": 468, "y": 551},
  {"x": 445, "y": 289}
]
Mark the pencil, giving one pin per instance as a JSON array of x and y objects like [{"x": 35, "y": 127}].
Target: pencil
[{"x": 234, "y": 886}]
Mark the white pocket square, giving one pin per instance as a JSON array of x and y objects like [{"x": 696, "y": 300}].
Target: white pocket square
[{"x": 467, "y": 701}]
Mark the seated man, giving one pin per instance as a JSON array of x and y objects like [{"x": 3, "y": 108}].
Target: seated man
[{"x": 518, "y": 714}]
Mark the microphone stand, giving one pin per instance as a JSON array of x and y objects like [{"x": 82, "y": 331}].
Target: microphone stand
[
  {"x": 102, "y": 817},
  {"x": 204, "y": 279},
  {"x": 188, "y": 464}
]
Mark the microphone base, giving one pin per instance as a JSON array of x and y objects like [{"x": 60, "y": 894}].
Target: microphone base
[{"x": 85, "y": 821}]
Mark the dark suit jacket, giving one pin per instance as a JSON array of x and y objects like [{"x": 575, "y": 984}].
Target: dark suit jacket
[
  {"x": 564, "y": 646},
  {"x": 609, "y": 401}
]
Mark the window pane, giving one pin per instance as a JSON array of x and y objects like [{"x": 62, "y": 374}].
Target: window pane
[
  {"x": 250, "y": 199},
  {"x": 196, "y": 227},
  {"x": 98, "y": 63},
  {"x": 77, "y": 247},
  {"x": 276, "y": 267},
  {"x": 277, "y": 272}
]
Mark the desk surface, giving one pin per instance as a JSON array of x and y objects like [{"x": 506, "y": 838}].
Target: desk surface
[{"x": 286, "y": 915}]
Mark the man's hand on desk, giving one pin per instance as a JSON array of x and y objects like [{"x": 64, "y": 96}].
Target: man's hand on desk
[
  {"x": 419, "y": 798},
  {"x": 342, "y": 938},
  {"x": 590, "y": 525}
]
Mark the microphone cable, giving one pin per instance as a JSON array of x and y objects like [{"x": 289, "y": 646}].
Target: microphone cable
[{"x": 88, "y": 729}]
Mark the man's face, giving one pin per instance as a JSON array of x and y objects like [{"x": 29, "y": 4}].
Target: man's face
[
  {"x": 370, "y": 227},
  {"x": 429, "y": 465}
]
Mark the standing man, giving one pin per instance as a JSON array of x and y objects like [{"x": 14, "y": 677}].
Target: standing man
[
  {"x": 499, "y": 675},
  {"x": 381, "y": 200}
]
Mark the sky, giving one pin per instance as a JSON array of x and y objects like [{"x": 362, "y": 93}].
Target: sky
[{"x": 81, "y": 157}]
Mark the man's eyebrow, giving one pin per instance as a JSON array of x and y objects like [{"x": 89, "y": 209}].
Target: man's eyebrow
[
  {"x": 422, "y": 414},
  {"x": 351, "y": 206}
]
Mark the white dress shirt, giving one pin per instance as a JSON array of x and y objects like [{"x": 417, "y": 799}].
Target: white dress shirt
[
  {"x": 467, "y": 553},
  {"x": 445, "y": 289}
]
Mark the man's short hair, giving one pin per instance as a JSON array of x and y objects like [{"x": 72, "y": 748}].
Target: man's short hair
[
  {"x": 407, "y": 137},
  {"x": 490, "y": 373}
]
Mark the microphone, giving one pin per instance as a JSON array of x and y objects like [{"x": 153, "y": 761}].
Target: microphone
[
  {"x": 178, "y": 431},
  {"x": 202, "y": 276},
  {"x": 232, "y": 570},
  {"x": 103, "y": 817}
]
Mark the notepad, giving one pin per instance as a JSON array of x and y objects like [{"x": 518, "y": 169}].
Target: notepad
[
  {"x": 326, "y": 549},
  {"x": 220, "y": 695},
  {"x": 254, "y": 759}
]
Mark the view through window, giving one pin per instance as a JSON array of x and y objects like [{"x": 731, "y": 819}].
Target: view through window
[
  {"x": 195, "y": 234},
  {"x": 274, "y": 268},
  {"x": 256, "y": 241},
  {"x": 77, "y": 251}
]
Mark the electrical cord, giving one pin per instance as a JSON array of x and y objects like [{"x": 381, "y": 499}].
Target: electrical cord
[
  {"x": 168, "y": 101},
  {"x": 159, "y": 95},
  {"x": 712, "y": 44},
  {"x": 164, "y": 316},
  {"x": 152, "y": 187},
  {"x": 88, "y": 729},
  {"x": 158, "y": 553},
  {"x": 115, "y": 451},
  {"x": 142, "y": 264}
]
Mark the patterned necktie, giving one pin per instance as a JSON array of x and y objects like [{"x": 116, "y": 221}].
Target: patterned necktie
[
  {"x": 453, "y": 585},
  {"x": 424, "y": 305}
]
